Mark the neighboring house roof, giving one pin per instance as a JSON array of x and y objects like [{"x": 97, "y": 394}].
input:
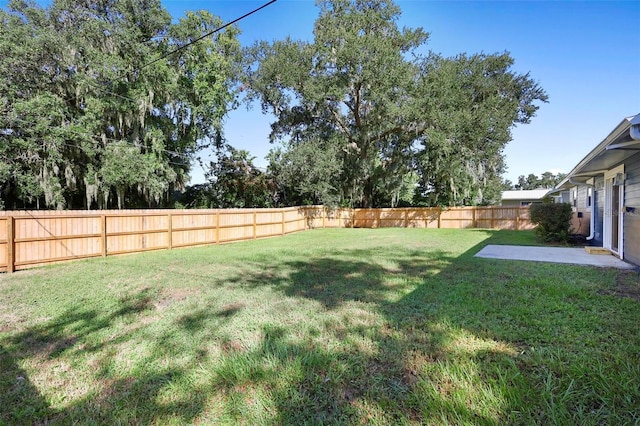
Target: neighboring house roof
[
  {"x": 528, "y": 194},
  {"x": 613, "y": 150}
]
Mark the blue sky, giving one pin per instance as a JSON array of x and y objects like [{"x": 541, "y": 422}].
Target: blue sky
[{"x": 585, "y": 54}]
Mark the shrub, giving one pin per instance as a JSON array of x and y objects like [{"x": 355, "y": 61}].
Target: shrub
[{"x": 553, "y": 221}]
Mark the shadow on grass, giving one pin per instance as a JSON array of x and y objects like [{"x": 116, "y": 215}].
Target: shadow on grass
[
  {"x": 46, "y": 342},
  {"x": 22, "y": 402},
  {"x": 475, "y": 342},
  {"x": 377, "y": 383},
  {"x": 423, "y": 336}
]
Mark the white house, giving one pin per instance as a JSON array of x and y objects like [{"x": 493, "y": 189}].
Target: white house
[{"x": 523, "y": 198}]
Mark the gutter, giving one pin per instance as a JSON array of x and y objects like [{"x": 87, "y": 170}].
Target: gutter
[{"x": 554, "y": 191}]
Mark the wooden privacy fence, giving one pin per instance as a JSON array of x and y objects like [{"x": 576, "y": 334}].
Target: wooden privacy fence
[
  {"x": 494, "y": 217},
  {"x": 34, "y": 238}
]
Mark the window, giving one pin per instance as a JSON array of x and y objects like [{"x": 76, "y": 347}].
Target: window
[{"x": 589, "y": 194}]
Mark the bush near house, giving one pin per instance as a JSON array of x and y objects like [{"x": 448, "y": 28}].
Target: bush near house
[{"x": 552, "y": 220}]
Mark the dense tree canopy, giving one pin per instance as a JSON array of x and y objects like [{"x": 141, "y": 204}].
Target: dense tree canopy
[
  {"x": 346, "y": 95},
  {"x": 362, "y": 97},
  {"x": 84, "y": 122},
  {"x": 471, "y": 103}
]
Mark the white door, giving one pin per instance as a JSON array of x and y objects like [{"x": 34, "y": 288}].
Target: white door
[{"x": 613, "y": 204}]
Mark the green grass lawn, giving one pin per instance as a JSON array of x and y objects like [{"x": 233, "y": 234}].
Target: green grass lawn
[{"x": 342, "y": 326}]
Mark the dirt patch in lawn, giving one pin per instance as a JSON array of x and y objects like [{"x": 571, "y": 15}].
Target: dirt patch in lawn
[
  {"x": 627, "y": 285},
  {"x": 169, "y": 296},
  {"x": 8, "y": 321}
]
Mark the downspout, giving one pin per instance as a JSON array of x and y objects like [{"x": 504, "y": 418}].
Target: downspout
[{"x": 592, "y": 216}]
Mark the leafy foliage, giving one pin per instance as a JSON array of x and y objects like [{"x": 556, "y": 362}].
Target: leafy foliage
[
  {"x": 552, "y": 220},
  {"x": 83, "y": 119},
  {"x": 305, "y": 172},
  {"x": 347, "y": 90},
  {"x": 233, "y": 182},
  {"x": 237, "y": 183},
  {"x": 364, "y": 118},
  {"x": 387, "y": 112},
  {"x": 547, "y": 180},
  {"x": 471, "y": 104}
]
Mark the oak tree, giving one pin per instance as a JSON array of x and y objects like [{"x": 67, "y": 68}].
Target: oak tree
[{"x": 362, "y": 93}]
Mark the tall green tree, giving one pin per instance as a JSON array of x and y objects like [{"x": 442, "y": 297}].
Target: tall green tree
[
  {"x": 84, "y": 121},
  {"x": 470, "y": 104},
  {"x": 362, "y": 87},
  {"x": 351, "y": 88}
]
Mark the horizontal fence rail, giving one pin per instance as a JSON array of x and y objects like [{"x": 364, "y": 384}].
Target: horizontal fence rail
[{"x": 35, "y": 238}]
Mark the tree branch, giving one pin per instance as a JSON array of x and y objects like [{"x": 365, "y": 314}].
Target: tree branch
[
  {"x": 341, "y": 124},
  {"x": 356, "y": 107}
]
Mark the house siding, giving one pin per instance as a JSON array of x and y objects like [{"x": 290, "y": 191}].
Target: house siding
[
  {"x": 582, "y": 198},
  {"x": 607, "y": 159},
  {"x": 581, "y": 225},
  {"x": 581, "y": 221},
  {"x": 632, "y": 215}
]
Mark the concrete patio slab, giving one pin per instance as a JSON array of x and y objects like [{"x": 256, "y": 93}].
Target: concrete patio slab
[{"x": 576, "y": 256}]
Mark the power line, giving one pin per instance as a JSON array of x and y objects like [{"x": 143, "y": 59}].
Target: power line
[
  {"x": 206, "y": 35},
  {"x": 192, "y": 42}
]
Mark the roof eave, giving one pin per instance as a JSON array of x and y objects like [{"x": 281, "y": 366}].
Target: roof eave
[{"x": 581, "y": 171}]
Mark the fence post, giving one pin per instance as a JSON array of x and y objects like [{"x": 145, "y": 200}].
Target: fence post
[
  {"x": 170, "y": 230},
  {"x": 283, "y": 222},
  {"x": 439, "y": 217},
  {"x": 217, "y": 240},
  {"x": 406, "y": 218},
  {"x": 10, "y": 245},
  {"x": 103, "y": 235},
  {"x": 493, "y": 222},
  {"x": 518, "y": 218},
  {"x": 255, "y": 225},
  {"x": 474, "y": 223},
  {"x": 305, "y": 214},
  {"x": 324, "y": 216}
]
